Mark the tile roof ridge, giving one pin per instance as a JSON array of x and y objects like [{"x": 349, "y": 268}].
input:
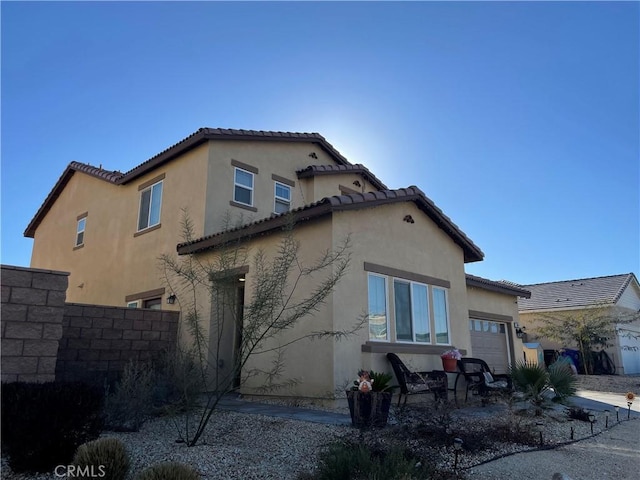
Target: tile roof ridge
[
  {"x": 625, "y": 284},
  {"x": 110, "y": 175},
  {"x": 577, "y": 279}
]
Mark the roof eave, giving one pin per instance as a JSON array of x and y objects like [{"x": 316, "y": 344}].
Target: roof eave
[
  {"x": 55, "y": 192},
  {"x": 254, "y": 230},
  {"x": 485, "y": 284}
]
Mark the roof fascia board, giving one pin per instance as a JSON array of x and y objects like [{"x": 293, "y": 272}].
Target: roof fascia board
[{"x": 494, "y": 287}]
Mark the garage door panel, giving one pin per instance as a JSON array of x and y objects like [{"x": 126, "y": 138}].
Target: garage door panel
[{"x": 489, "y": 342}]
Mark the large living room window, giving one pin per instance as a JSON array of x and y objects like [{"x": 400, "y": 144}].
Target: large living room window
[
  {"x": 377, "y": 307},
  {"x": 413, "y": 309},
  {"x": 441, "y": 315},
  {"x": 150, "y": 204}
]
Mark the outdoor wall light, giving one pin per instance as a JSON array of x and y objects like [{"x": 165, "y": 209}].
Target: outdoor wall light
[
  {"x": 171, "y": 299},
  {"x": 592, "y": 418},
  {"x": 520, "y": 331},
  {"x": 457, "y": 446},
  {"x": 606, "y": 419},
  {"x": 540, "y": 428}
]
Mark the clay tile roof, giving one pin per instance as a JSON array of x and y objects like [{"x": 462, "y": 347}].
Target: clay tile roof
[
  {"x": 110, "y": 176},
  {"x": 500, "y": 286},
  {"x": 327, "y": 205},
  {"x": 205, "y": 134},
  {"x": 193, "y": 140},
  {"x": 315, "y": 170},
  {"x": 582, "y": 292}
]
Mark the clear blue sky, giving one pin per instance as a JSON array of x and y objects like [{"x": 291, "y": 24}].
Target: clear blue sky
[{"x": 519, "y": 120}]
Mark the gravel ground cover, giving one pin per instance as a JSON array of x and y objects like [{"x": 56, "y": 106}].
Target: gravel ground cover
[{"x": 260, "y": 447}]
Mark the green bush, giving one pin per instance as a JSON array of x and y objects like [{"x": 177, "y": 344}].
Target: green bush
[
  {"x": 107, "y": 455},
  {"x": 131, "y": 403},
  {"x": 539, "y": 384},
  {"x": 44, "y": 423},
  {"x": 169, "y": 471},
  {"x": 178, "y": 382},
  {"x": 347, "y": 461}
]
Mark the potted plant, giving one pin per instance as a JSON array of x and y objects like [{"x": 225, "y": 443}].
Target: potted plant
[
  {"x": 450, "y": 360},
  {"x": 370, "y": 399}
]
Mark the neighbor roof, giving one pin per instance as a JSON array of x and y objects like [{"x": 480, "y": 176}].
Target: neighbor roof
[
  {"x": 576, "y": 293},
  {"x": 508, "y": 288},
  {"x": 201, "y": 136},
  {"x": 328, "y": 205}
]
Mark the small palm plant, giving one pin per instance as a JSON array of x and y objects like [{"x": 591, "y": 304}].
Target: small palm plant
[{"x": 537, "y": 382}]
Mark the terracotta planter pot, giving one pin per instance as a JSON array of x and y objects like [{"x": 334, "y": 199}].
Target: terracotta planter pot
[
  {"x": 369, "y": 409},
  {"x": 449, "y": 364}
]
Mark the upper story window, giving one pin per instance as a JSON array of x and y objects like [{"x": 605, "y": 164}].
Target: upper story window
[
  {"x": 80, "y": 228},
  {"x": 150, "y": 204},
  {"x": 282, "y": 198},
  {"x": 243, "y": 187}
]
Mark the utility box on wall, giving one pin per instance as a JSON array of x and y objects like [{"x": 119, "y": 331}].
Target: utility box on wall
[{"x": 533, "y": 353}]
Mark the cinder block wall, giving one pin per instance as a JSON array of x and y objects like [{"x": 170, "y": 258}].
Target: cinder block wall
[
  {"x": 33, "y": 304},
  {"x": 98, "y": 341}
]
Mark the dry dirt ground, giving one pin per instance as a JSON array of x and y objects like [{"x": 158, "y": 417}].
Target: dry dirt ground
[{"x": 610, "y": 383}]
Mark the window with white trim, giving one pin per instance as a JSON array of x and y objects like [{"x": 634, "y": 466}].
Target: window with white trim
[
  {"x": 441, "y": 315},
  {"x": 243, "y": 187},
  {"x": 82, "y": 223},
  {"x": 411, "y": 301},
  {"x": 408, "y": 311},
  {"x": 378, "y": 318},
  {"x": 282, "y": 197},
  {"x": 150, "y": 205}
]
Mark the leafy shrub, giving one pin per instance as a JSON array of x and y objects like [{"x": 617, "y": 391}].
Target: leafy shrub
[
  {"x": 178, "y": 381},
  {"x": 44, "y": 423},
  {"x": 108, "y": 454},
  {"x": 129, "y": 405},
  {"x": 346, "y": 461},
  {"x": 539, "y": 384},
  {"x": 381, "y": 381},
  {"x": 578, "y": 413},
  {"x": 168, "y": 471}
]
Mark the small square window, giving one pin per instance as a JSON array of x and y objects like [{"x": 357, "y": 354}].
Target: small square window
[
  {"x": 243, "y": 187},
  {"x": 282, "y": 198},
  {"x": 82, "y": 223}
]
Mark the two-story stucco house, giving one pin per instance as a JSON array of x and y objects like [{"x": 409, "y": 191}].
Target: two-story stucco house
[{"x": 108, "y": 229}]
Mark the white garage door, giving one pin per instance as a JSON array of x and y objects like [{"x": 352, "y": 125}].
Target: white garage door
[
  {"x": 489, "y": 342},
  {"x": 630, "y": 351}
]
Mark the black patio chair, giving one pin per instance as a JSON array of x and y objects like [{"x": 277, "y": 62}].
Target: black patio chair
[
  {"x": 413, "y": 383},
  {"x": 479, "y": 378}
]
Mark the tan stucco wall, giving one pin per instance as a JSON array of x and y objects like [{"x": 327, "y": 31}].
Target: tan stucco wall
[
  {"x": 279, "y": 158},
  {"x": 495, "y": 303},
  {"x": 113, "y": 263},
  {"x": 329, "y": 185},
  {"x": 379, "y": 235},
  {"x": 309, "y": 363}
]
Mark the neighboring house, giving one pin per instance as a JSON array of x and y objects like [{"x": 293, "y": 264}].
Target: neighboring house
[
  {"x": 617, "y": 295},
  {"x": 407, "y": 258}
]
